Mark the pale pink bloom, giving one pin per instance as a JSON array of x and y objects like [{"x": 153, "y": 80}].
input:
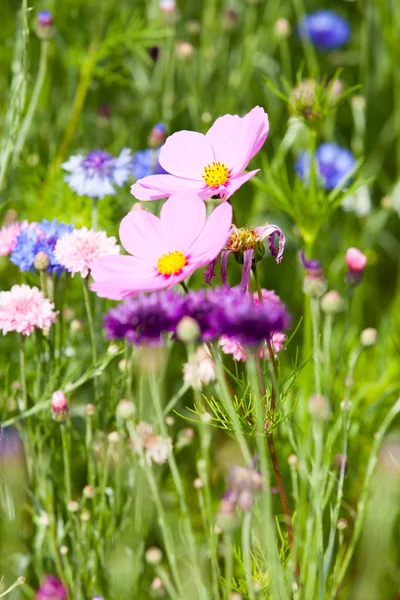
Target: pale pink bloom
[
  {"x": 77, "y": 250},
  {"x": 267, "y": 296},
  {"x": 210, "y": 164},
  {"x": 8, "y": 236},
  {"x": 199, "y": 369},
  {"x": 155, "y": 447},
  {"x": 230, "y": 346},
  {"x": 356, "y": 260},
  {"x": 165, "y": 250},
  {"x": 23, "y": 308}
]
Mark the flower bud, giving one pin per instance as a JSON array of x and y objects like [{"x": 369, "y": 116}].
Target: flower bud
[
  {"x": 188, "y": 330},
  {"x": 44, "y": 25},
  {"x": 41, "y": 261},
  {"x": 292, "y": 460},
  {"x": 169, "y": 420},
  {"x": 64, "y": 550},
  {"x": 342, "y": 524},
  {"x": 314, "y": 283},
  {"x": 184, "y": 49},
  {"x": 157, "y": 135},
  {"x": 184, "y": 438},
  {"x": 229, "y": 18},
  {"x": 332, "y": 303},
  {"x": 126, "y": 410},
  {"x": 226, "y": 516},
  {"x": 59, "y": 407},
  {"x": 197, "y": 483},
  {"x": 89, "y": 410},
  {"x": 153, "y": 556},
  {"x": 282, "y": 28},
  {"x": 85, "y": 516},
  {"x": 157, "y": 588},
  {"x": 336, "y": 88},
  {"x": 112, "y": 349},
  {"x": 76, "y": 325},
  {"x": 73, "y": 506},
  {"x": 113, "y": 437},
  {"x": 303, "y": 100},
  {"x": 319, "y": 408},
  {"x": 137, "y": 206},
  {"x": 193, "y": 27},
  {"x": 89, "y": 491},
  {"x": 356, "y": 262},
  {"x": 368, "y": 337}
]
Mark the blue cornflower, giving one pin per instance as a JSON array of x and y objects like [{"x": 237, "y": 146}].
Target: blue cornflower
[
  {"x": 95, "y": 174},
  {"x": 325, "y": 29},
  {"x": 39, "y": 238},
  {"x": 145, "y": 162},
  {"x": 333, "y": 163}
]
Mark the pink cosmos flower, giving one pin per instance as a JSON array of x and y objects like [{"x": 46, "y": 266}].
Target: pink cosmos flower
[
  {"x": 23, "y": 308},
  {"x": 8, "y": 236},
  {"x": 210, "y": 164},
  {"x": 165, "y": 250},
  {"x": 77, "y": 250}
]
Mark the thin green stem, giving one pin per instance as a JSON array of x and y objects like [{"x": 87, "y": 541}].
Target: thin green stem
[
  {"x": 315, "y": 318},
  {"x": 246, "y": 548},
  {"x": 67, "y": 464},
  {"x": 22, "y": 364},
  {"x": 26, "y": 124},
  {"x": 95, "y": 213},
  {"x": 20, "y": 581},
  {"x": 85, "y": 286}
]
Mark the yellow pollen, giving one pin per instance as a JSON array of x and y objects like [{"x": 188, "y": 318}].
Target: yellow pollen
[
  {"x": 216, "y": 174},
  {"x": 171, "y": 263}
]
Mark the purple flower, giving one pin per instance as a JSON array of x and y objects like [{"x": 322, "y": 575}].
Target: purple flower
[
  {"x": 45, "y": 18},
  {"x": 333, "y": 163},
  {"x": 11, "y": 447},
  {"x": 97, "y": 173},
  {"x": 314, "y": 283},
  {"x": 145, "y": 162},
  {"x": 325, "y": 29},
  {"x": 143, "y": 319},
  {"x": 51, "y": 589},
  {"x": 203, "y": 307}
]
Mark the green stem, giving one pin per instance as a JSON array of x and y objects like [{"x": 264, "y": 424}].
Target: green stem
[
  {"x": 95, "y": 214},
  {"x": 315, "y": 318},
  {"x": 246, "y": 548},
  {"x": 26, "y": 124},
  {"x": 20, "y": 581},
  {"x": 327, "y": 338},
  {"x": 67, "y": 465},
  {"x": 22, "y": 363},
  {"x": 228, "y": 563},
  {"x": 85, "y": 285}
]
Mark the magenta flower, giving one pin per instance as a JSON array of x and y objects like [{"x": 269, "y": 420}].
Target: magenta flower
[
  {"x": 51, "y": 589},
  {"x": 23, "y": 308},
  {"x": 77, "y": 250},
  {"x": 165, "y": 250},
  {"x": 211, "y": 164}
]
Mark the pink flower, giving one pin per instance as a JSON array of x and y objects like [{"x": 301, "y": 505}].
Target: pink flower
[
  {"x": 59, "y": 406},
  {"x": 165, "y": 250},
  {"x": 8, "y": 236},
  {"x": 23, "y": 308},
  {"x": 210, "y": 164},
  {"x": 239, "y": 353},
  {"x": 356, "y": 260},
  {"x": 77, "y": 250}
]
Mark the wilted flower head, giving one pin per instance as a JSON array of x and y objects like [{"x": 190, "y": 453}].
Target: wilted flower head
[
  {"x": 143, "y": 319},
  {"x": 39, "y": 238},
  {"x": 96, "y": 173},
  {"x": 145, "y": 162},
  {"x": 314, "y": 283},
  {"x": 243, "y": 483},
  {"x": 208, "y": 165},
  {"x": 200, "y": 369},
  {"x": 51, "y": 589},
  {"x": 8, "y": 236},
  {"x": 325, "y": 29},
  {"x": 333, "y": 163},
  {"x": 302, "y": 100},
  {"x": 155, "y": 447},
  {"x": 23, "y": 308},
  {"x": 77, "y": 250},
  {"x": 182, "y": 240}
]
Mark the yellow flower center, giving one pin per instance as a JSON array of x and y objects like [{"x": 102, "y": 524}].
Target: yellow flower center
[
  {"x": 242, "y": 239},
  {"x": 216, "y": 174},
  {"x": 171, "y": 263}
]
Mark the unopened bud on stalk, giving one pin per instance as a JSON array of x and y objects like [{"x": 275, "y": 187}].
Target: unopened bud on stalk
[
  {"x": 314, "y": 283},
  {"x": 89, "y": 491},
  {"x": 235, "y": 596},
  {"x": 169, "y": 420},
  {"x": 184, "y": 438},
  {"x": 126, "y": 410},
  {"x": 368, "y": 337},
  {"x": 113, "y": 437},
  {"x": 226, "y": 515},
  {"x": 73, "y": 506},
  {"x": 303, "y": 100},
  {"x": 184, "y": 49},
  {"x": 89, "y": 410},
  {"x": 282, "y": 28},
  {"x": 188, "y": 330},
  {"x": 64, "y": 550},
  {"x": 59, "y": 407},
  {"x": 153, "y": 556},
  {"x": 112, "y": 349},
  {"x": 319, "y": 408},
  {"x": 197, "y": 483},
  {"x": 342, "y": 524},
  {"x": 332, "y": 303},
  {"x": 44, "y": 25},
  {"x": 157, "y": 588},
  {"x": 292, "y": 460},
  {"x": 356, "y": 262},
  {"x": 85, "y": 516},
  {"x": 76, "y": 325},
  {"x": 41, "y": 261},
  {"x": 157, "y": 135}
]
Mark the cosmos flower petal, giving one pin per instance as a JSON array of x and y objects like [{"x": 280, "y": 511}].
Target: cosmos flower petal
[
  {"x": 116, "y": 277},
  {"x": 183, "y": 218},
  {"x": 223, "y": 135},
  {"x": 236, "y": 182},
  {"x": 141, "y": 234},
  {"x": 155, "y": 187},
  {"x": 214, "y": 234},
  {"x": 185, "y": 154}
]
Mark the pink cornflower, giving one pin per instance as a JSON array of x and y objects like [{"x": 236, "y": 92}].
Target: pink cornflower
[
  {"x": 165, "y": 250},
  {"x": 8, "y": 236},
  {"x": 211, "y": 164},
  {"x": 23, "y": 308},
  {"x": 77, "y": 250},
  {"x": 355, "y": 259}
]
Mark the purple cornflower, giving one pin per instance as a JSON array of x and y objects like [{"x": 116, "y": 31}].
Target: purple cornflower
[
  {"x": 203, "y": 306},
  {"x": 143, "y": 319},
  {"x": 333, "y": 163},
  {"x": 44, "y": 25},
  {"x": 97, "y": 173},
  {"x": 325, "y": 29},
  {"x": 145, "y": 162},
  {"x": 39, "y": 239},
  {"x": 51, "y": 589}
]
